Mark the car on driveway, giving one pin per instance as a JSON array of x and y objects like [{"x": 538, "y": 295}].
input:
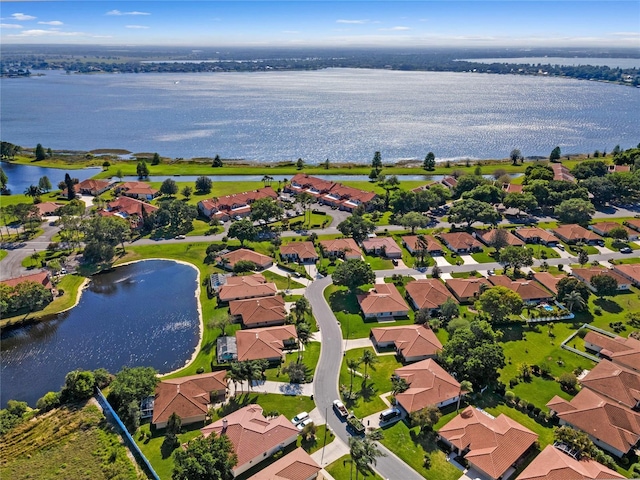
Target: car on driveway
[
  {"x": 626, "y": 250},
  {"x": 304, "y": 423},
  {"x": 299, "y": 418}
]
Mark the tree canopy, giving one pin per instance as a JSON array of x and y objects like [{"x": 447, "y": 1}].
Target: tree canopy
[
  {"x": 356, "y": 227},
  {"x": 243, "y": 230},
  {"x": 575, "y": 210},
  {"x": 353, "y": 273},
  {"x": 470, "y": 211},
  {"x": 500, "y": 302},
  {"x": 210, "y": 458}
]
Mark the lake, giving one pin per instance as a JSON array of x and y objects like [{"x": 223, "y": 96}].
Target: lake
[
  {"x": 142, "y": 314},
  {"x": 570, "y": 61},
  {"x": 336, "y": 114},
  {"x": 21, "y": 176}
]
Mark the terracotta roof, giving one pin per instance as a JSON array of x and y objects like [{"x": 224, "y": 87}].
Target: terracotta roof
[
  {"x": 266, "y": 342},
  {"x": 552, "y": 464},
  {"x": 432, "y": 244},
  {"x": 466, "y": 287},
  {"x": 512, "y": 188},
  {"x": 251, "y": 433},
  {"x": 421, "y": 188},
  {"x": 586, "y": 274},
  {"x": 47, "y": 208},
  {"x": 460, "y": 240},
  {"x": 244, "y": 254},
  {"x": 605, "y": 227},
  {"x": 611, "y": 423},
  {"x": 388, "y": 243},
  {"x": 259, "y": 310},
  {"x": 622, "y": 351},
  {"x": 137, "y": 188},
  {"x": 297, "y": 465},
  {"x": 615, "y": 382},
  {"x": 41, "y": 277},
  {"x": 619, "y": 168},
  {"x": 187, "y": 396},
  {"x": 246, "y": 286},
  {"x": 304, "y": 250},
  {"x": 495, "y": 443},
  {"x": 329, "y": 191},
  {"x": 574, "y": 232},
  {"x": 450, "y": 181},
  {"x": 429, "y": 384},
  {"x": 549, "y": 281},
  {"x": 428, "y": 293},
  {"x": 562, "y": 173},
  {"x": 410, "y": 340},
  {"x": 230, "y": 205},
  {"x": 129, "y": 207},
  {"x": 383, "y": 298},
  {"x": 530, "y": 233},
  {"x": 527, "y": 289},
  {"x": 92, "y": 184},
  {"x": 306, "y": 181},
  {"x": 511, "y": 239},
  {"x": 630, "y": 270},
  {"x": 337, "y": 245},
  {"x": 633, "y": 223}
]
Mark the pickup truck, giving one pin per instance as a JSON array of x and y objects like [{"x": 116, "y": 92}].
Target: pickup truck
[{"x": 340, "y": 409}]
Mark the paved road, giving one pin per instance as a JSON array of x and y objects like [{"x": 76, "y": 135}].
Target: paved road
[{"x": 16, "y": 253}]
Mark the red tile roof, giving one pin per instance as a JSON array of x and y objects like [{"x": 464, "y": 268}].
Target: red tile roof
[
  {"x": 236, "y": 203},
  {"x": 633, "y": 223},
  {"x": 460, "y": 241},
  {"x": 511, "y": 239},
  {"x": 622, "y": 351},
  {"x": 246, "y": 286},
  {"x": 512, "y": 188},
  {"x": 411, "y": 340},
  {"x": 338, "y": 245},
  {"x": 615, "y": 382},
  {"x": 47, "y": 208},
  {"x": 137, "y": 188},
  {"x": 266, "y": 342},
  {"x": 129, "y": 207},
  {"x": 432, "y": 244},
  {"x": 256, "y": 311},
  {"x": 562, "y": 173},
  {"x": 534, "y": 233},
  {"x": 387, "y": 243},
  {"x": 494, "y": 443},
  {"x": 528, "y": 290},
  {"x": 429, "y": 384},
  {"x": 574, "y": 232},
  {"x": 244, "y": 254},
  {"x": 41, "y": 277},
  {"x": 297, "y": 465},
  {"x": 552, "y": 464},
  {"x": 549, "y": 281},
  {"x": 586, "y": 274},
  {"x": 464, "y": 288},
  {"x": 188, "y": 396},
  {"x": 303, "y": 250},
  {"x": 603, "y": 228},
  {"x": 632, "y": 271},
  {"x": 428, "y": 293},
  {"x": 335, "y": 193},
  {"x": 384, "y": 298}
]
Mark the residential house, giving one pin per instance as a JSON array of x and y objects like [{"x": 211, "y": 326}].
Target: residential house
[
  {"x": 297, "y": 465},
  {"x": 604, "y": 228},
  {"x": 41, "y": 278},
  {"x": 429, "y": 384},
  {"x": 130, "y": 209},
  {"x": 345, "y": 248},
  {"x": 259, "y": 312},
  {"x": 491, "y": 445},
  {"x": 230, "y": 259},
  {"x": 554, "y": 464},
  {"x": 620, "y": 350},
  {"x": 92, "y": 187},
  {"x": 411, "y": 342},
  {"x": 226, "y": 349},
  {"x": 586, "y": 274},
  {"x": 512, "y": 188},
  {"x": 422, "y": 188},
  {"x": 302, "y": 252},
  {"x": 631, "y": 272},
  {"x": 608, "y": 424},
  {"x": 383, "y": 301},
  {"x": 139, "y": 190},
  {"x": 47, "y": 209},
  {"x": 574, "y": 233},
  {"x": 562, "y": 173},
  {"x": 549, "y": 281},
  {"x": 330, "y": 193},
  {"x": 254, "y": 437},
  {"x": 633, "y": 223},
  {"x": 246, "y": 286},
  {"x": 467, "y": 290},
  {"x": 449, "y": 182},
  {"x": 188, "y": 397},
  {"x": 461, "y": 242},
  {"x": 536, "y": 235},
  {"x": 619, "y": 168},
  {"x": 433, "y": 246},
  {"x": 615, "y": 382},
  {"x": 235, "y": 205},
  {"x": 385, "y": 246},
  {"x": 489, "y": 237},
  {"x": 530, "y": 291},
  {"x": 266, "y": 343},
  {"x": 429, "y": 293}
]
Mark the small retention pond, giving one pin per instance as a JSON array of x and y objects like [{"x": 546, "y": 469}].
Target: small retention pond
[{"x": 142, "y": 314}]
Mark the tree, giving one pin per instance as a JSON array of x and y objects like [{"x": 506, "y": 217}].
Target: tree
[
  {"x": 49, "y": 401},
  {"x": 4, "y": 180},
  {"x": 619, "y": 233},
  {"x": 217, "y": 162},
  {"x": 300, "y": 164},
  {"x": 352, "y": 273},
  {"x": 303, "y": 330},
  {"x": 203, "y": 185},
  {"x": 470, "y": 211},
  {"x": 78, "y": 386},
  {"x": 142, "y": 169},
  {"x": 369, "y": 360},
  {"x": 376, "y": 163},
  {"x": 500, "y": 239},
  {"x": 364, "y": 452},
  {"x": 297, "y": 372},
  {"x": 426, "y": 418},
  {"x": 305, "y": 200},
  {"x": 516, "y": 257},
  {"x": 205, "y": 458},
  {"x": 567, "y": 285},
  {"x": 583, "y": 257},
  {"x": 515, "y": 155},
  {"x": 132, "y": 384},
  {"x": 604, "y": 285},
  {"x": 465, "y": 387},
  {"x": 429, "y": 162},
  {"x": 32, "y": 191},
  {"x": 626, "y": 186},
  {"x": 413, "y": 220},
  {"x": 500, "y": 302},
  {"x": 356, "y": 227},
  {"x": 222, "y": 322},
  {"x": 45, "y": 184},
  {"x": 301, "y": 308},
  {"x": 186, "y": 192},
  {"x": 522, "y": 201},
  {"x": 266, "y": 209},
  {"x": 352, "y": 366},
  {"x": 568, "y": 381},
  {"x": 400, "y": 384},
  {"x": 555, "y": 155},
  {"x": 156, "y": 159},
  {"x": 575, "y": 210},
  {"x": 31, "y": 296},
  {"x": 40, "y": 152},
  {"x": 485, "y": 193},
  {"x": 243, "y": 230},
  {"x": 422, "y": 316},
  {"x": 574, "y": 301},
  {"x": 169, "y": 187},
  {"x": 449, "y": 309},
  {"x": 590, "y": 168}
]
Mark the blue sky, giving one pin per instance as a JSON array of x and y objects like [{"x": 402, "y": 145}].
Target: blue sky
[{"x": 318, "y": 23}]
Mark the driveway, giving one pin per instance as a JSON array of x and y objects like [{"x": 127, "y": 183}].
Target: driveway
[
  {"x": 562, "y": 253},
  {"x": 468, "y": 260},
  {"x": 441, "y": 262},
  {"x": 603, "y": 250}
]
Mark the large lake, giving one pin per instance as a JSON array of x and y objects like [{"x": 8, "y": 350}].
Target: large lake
[
  {"x": 142, "y": 314},
  {"x": 339, "y": 114}
]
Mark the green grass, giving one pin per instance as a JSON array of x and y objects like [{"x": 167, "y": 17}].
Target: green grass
[
  {"x": 379, "y": 382},
  {"x": 412, "y": 448},
  {"x": 616, "y": 245},
  {"x": 343, "y": 469},
  {"x": 69, "y": 442},
  {"x": 483, "y": 257},
  {"x": 282, "y": 283},
  {"x": 628, "y": 261},
  {"x": 3, "y": 253},
  {"x": 310, "y": 358},
  {"x": 378, "y": 263},
  {"x": 315, "y": 443},
  {"x": 542, "y": 252}
]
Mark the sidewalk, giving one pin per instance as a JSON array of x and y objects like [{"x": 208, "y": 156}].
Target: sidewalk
[
  {"x": 267, "y": 386},
  {"x": 332, "y": 452}
]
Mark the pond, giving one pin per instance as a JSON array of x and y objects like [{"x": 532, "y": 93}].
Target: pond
[
  {"x": 21, "y": 176},
  {"x": 142, "y": 314}
]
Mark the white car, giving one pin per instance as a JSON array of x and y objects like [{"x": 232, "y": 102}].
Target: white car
[
  {"x": 299, "y": 418},
  {"x": 304, "y": 423}
]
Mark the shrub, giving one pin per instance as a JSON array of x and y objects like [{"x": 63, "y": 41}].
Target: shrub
[
  {"x": 568, "y": 381},
  {"x": 509, "y": 396}
]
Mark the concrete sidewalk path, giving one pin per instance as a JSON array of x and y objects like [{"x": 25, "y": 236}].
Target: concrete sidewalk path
[
  {"x": 332, "y": 452},
  {"x": 268, "y": 386}
]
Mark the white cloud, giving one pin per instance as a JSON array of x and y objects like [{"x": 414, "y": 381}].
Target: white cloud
[
  {"x": 353, "y": 22},
  {"x": 10, "y": 25},
  {"x": 291, "y": 32},
  {"x": 394, "y": 29},
  {"x": 626, "y": 34},
  {"x": 119, "y": 13},
  {"x": 22, "y": 17},
  {"x": 47, "y": 33},
  {"x": 136, "y": 26},
  {"x": 53, "y": 22}
]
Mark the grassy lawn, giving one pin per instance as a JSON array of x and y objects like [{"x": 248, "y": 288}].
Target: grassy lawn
[
  {"x": 627, "y": 261},
  {"x": 343, "y": 469},
  {"x": 69, "y": 442},
  {"x": 484, "y": 257},
  {"x": 3, "y": 253},
  {"x": 412, "y": 448},
  {"x": 542, "y": 252},
  {"x": 310, "y": 358},
  {"x": 616, "y": 245},
  {"x": 345, "y": 306},
  {"x": 379, "y": 382},
  {"x": 282, "y": 283},
  {"x": 378, "y": 263}
]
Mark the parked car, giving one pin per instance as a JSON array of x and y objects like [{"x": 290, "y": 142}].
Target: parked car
[
  {"x": 626, "y": 250},
  {"x": 299, "y": 418},
  {"x": 180, "y": 237},
  {"x": 561, "y": 247},
  {"x": 395, "y": 262},
  {"x": 304, "y": 423}
]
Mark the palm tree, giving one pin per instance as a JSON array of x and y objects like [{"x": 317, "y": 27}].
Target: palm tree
[
  {"x": 352, "y": 365},
  {"x": 422, "y": 244},
  {"x": 234, "y": 374},
  {"x": 303, "y": 330},
  {"x": 304, "y": 200},
  {"x": 465, "y": 387},
  {"x": 364, "y": 453},
  {"x": 369, "y": 360},
  {"x": 399, "y": 384},
  {"x": 574, "y": 300},
  {"x": 301, "y": 307},
  {"x": 32, "y": 191}
]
